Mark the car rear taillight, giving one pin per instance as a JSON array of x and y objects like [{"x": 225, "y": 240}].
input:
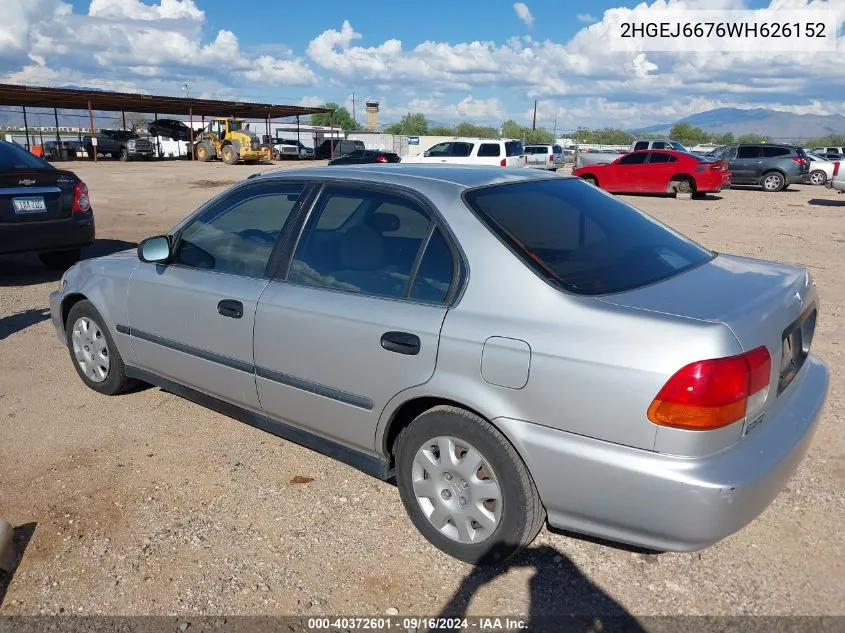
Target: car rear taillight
[
  {"x": 81, "y": 202},
  {"x": 551, "y": 158},
  {"x": 800, "y": 160},
  {"x": 836, "y": 168},
  {"x": 503, "y": 162},
  {"x": 714, "y": 393},
  {"x": 381, "y": 159}
]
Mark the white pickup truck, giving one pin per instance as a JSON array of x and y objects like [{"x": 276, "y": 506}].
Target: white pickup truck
[{"x": 838, "y": 180}]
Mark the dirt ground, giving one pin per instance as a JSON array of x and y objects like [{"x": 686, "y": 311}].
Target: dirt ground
[{"x": 149, "y": 504}]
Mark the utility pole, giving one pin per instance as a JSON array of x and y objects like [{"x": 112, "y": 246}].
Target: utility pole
[
  {"x": 554, "y": 129},
  {"x": 354, "y": 119},
  {"x": 534, "y": 123}
]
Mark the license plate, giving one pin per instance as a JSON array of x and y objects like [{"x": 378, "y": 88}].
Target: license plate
[{"x": 24, "y": 206}]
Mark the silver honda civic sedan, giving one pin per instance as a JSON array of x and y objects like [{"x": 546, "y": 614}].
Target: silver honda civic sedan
[{"x": 514, "y": 347}]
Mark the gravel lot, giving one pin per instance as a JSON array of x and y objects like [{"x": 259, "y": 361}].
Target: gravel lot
[{"x": 149, "y": 504}]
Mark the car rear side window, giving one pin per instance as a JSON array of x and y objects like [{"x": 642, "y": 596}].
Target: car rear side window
[
  {"x": 15, "y": 157},
  {"x": 372, "y": 253},
  {"x": 237, "y": 235},
  {"x": 661, "y": 157},
  {"x": 773, "y": 152},
  {"x": 434, "y": 277},
  {"x": 489, "y": 150},
  {"x": 462, "y": 149},
  {"x": 640, "y": 145},
  {"x": 513, "y": 148},
  {"x": 748, "y": 151},
  {"x": 582, "y": 239},
  {"x": 633, "y": 159}
]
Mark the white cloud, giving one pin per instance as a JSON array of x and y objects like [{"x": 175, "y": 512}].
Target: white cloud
[
  {"x": 523, "y": 13},
  {"x": 585, "y": 17},
  {"x": 120, "y": 41},
  {"x": 311, "y": 101},
  {"x": 137, "y": 10}
]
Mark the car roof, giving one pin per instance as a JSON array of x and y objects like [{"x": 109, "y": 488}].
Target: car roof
[
  {"x": 478, "y": 139},
  {"x": 417, "y": 175}
]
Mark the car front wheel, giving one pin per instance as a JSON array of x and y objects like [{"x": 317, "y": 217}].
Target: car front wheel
[
  {"x": 465, "y": 487},
  {"x": 93, "y": 351}
]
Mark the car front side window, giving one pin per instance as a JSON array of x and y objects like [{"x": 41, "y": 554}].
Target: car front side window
[{"x": 237, "y": 235}]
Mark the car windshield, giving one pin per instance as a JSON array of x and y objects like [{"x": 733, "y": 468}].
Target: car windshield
[
  {"x": 15, "y": 157},
  {"x": 678, "y": 146},
  {"x": 582, "y": 239}
]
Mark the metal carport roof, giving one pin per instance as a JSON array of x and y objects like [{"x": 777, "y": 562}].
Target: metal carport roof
[{"x": 78, "y": 99}]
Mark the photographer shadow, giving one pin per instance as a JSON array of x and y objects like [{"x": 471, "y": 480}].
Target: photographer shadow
[{"x": 561, "y": 597}]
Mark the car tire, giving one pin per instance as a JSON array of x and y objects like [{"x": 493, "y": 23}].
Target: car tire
[
  {"x": 817, "y": 177},
  {"x": 456, "y": 495},
  {"x": 229, "y": 156},
  {"x": 590, "y": 180},
  {"x": 60, "y": 260},
  {"x": 124, "y": 154},
  {"x": 773, "y": 181},
  {"x": 86, "y": 334}
]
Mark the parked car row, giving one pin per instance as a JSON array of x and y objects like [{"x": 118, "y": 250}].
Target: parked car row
[{"x": 772, "y": 167}]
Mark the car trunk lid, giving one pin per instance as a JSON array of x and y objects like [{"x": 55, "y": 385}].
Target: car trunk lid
[
  {"x": 33, "y": 195},
  {"x": 763, "y": 303}
]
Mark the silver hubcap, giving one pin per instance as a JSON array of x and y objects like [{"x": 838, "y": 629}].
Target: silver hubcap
[
  {"x": 457, "y": 490},
  {"x": 817, "y": 178},
  {"x": 772, "y": 182},
  {"x": 90, "y": 349}
]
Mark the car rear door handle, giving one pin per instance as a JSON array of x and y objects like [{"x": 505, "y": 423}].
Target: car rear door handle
[
  {"x": 230, "y": 308},
  {"x": 401, "y": 343}
]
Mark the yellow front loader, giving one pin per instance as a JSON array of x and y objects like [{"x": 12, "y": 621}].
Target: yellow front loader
[{"x": 231, "y": 140}]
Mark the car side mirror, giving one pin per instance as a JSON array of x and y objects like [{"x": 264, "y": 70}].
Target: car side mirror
[
  {"x": 154, "y": 250},
  {"x": 426, "y": 153}
]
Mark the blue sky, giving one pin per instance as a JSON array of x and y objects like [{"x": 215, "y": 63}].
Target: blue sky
[{"x": 476, "y": 60}]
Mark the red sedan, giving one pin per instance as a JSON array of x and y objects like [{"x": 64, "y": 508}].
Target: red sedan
[{"x": 658, "y": 171}]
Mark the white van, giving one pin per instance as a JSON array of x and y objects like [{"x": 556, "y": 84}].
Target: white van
[{"x": 473, "y": 151}]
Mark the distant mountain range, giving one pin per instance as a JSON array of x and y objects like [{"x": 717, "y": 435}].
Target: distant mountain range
[{"x": 775, "y": 124}]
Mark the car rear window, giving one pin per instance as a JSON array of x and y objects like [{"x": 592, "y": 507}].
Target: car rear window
[
  {"x": 582, "y": 239},
  {"x": 15, "y": 157},
  {"x": 513, "y": 148}
]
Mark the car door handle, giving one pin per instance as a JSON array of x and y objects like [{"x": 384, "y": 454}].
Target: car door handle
[
  {"x": 230, "y": 308},
  {"x": 401, "y": 343}
]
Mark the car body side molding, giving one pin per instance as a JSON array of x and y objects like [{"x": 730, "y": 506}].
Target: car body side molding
[{"x": 368, "y": 464}]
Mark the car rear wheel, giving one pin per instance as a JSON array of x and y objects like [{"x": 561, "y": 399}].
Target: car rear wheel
[
  {"x": 60, "y": 260},
  {"x": 773, "y": 181},
  {"x": 591, "y": 180},
  {"x": 93, "y": 351},
  {"x": 818, "y": 177},
  {"x": 465, "y": 487}
]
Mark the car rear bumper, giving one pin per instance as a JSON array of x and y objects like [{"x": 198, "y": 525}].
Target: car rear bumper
[
  {"x": 50, "y": 235},
  {"x": 665, "y": 502}
]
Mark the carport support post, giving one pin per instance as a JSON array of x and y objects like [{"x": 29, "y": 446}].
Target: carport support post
[
  {"x": 123, "y": 113},
  {"x": 191, "y": 115},
  {"x": 58, "y": 138},
  {"x": 331, "y": 135},
  {"x": 25, "y": 128},
  {"x": 269, "y": 140},
  {"x": 297, "y": 129},
  {"x": 91, "y": 124}
]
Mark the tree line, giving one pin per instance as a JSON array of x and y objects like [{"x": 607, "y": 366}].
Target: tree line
[{"x": 416, "y": 124}]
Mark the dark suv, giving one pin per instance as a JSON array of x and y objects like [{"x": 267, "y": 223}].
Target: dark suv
[{"x": 772, "y": 167}]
